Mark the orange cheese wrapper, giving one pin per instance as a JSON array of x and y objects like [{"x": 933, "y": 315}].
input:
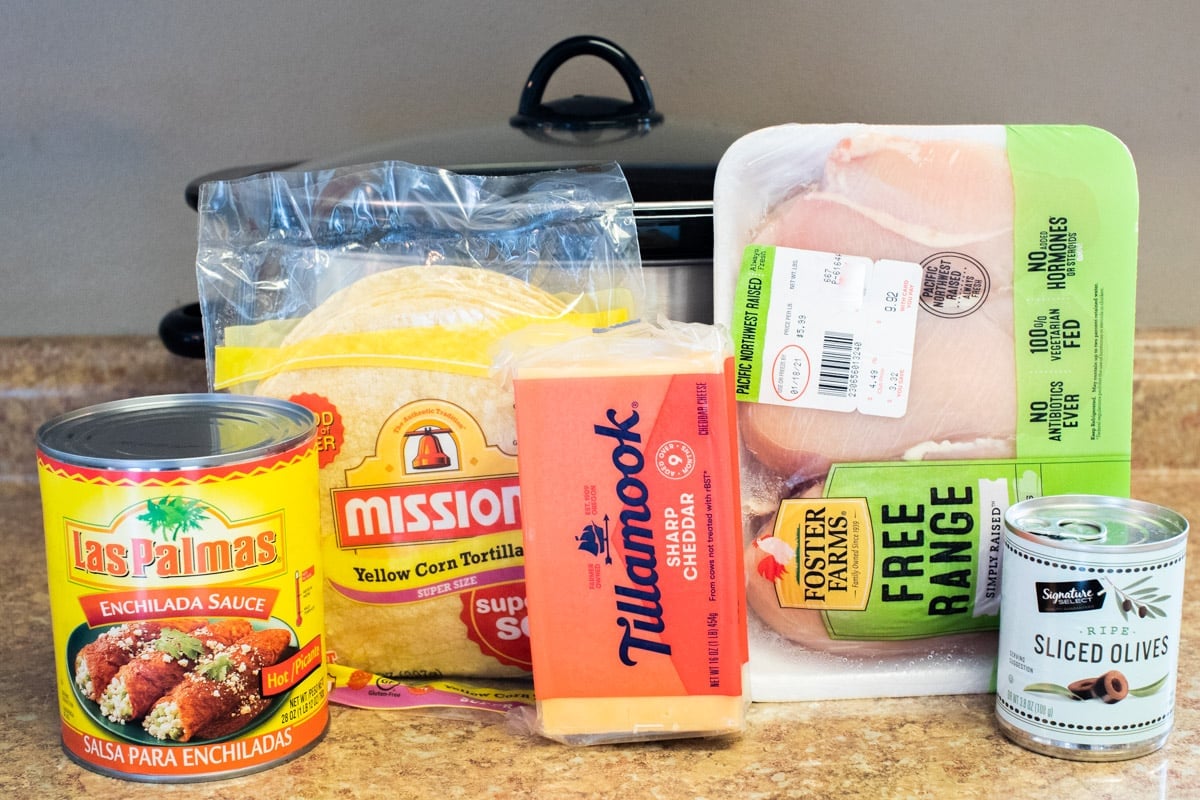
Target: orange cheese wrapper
[{"x": 632, "y": 535}]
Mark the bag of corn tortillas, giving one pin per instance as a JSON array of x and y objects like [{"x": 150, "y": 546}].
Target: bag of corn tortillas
[{"x": 375, "y": 297}]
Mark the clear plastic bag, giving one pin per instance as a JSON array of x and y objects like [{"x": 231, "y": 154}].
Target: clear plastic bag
[
  {"x": 377, "y": 296},
  {"x": 273, "y": 247}
]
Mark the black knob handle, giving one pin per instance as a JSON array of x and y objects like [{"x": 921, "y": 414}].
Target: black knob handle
[
  {"x": 584, "y": 112},
  {"x": 182, "y": 331}
]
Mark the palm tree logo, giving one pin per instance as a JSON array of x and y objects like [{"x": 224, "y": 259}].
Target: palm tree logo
[{"x": 173, "y": 515}]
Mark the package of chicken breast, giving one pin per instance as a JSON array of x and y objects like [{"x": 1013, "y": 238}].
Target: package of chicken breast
[{"x": 931, "y": 323}]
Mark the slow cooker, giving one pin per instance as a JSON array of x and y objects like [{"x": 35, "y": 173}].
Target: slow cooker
[{"x": 670, "y": 167}]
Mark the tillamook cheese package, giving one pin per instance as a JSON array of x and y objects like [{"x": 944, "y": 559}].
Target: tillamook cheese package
[
  {"x": 632, "y": 534},
  {"x": 931, "y": 323}
]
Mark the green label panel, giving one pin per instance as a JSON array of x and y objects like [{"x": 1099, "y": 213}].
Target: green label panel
[
  {"x": 1074, "y": 275},
  {"x": 936, "y": 532}
]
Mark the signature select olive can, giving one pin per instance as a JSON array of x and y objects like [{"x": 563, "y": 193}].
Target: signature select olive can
[
  {"x": 1091, "y": 599},
  {"x": 185, "y": 590}
]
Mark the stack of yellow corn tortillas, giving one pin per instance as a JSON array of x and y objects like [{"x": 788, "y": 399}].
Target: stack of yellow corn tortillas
[{"x": 422, "y": 555}]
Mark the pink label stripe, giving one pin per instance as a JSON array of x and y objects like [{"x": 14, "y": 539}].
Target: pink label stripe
[{"x": 426, "y": 591}]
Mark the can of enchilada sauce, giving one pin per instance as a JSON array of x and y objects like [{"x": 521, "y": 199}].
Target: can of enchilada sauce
[
  {"x": 1092, "y": 595},
  {"x": 185, "y": 589}
]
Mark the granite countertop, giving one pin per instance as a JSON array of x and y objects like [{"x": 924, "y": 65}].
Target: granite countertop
[{"x": 908, "y": 747}]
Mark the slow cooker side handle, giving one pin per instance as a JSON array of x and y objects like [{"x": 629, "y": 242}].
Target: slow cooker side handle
[
  {"x": 182, "y": 331},
  {"x": 533, "y": 112}
]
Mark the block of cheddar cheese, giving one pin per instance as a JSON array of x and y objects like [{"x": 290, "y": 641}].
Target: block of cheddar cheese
[{"x": 632, "y": 534}]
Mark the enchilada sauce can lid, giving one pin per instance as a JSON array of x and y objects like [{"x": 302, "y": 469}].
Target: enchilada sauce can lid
[
  {"x": 1091, "y": 601},
  {"x": 182, "y": 548}
]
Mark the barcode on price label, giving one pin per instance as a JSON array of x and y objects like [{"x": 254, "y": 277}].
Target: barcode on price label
[
  {"x": 837, "y": 362},
  {"x": 826, "y": 330}
]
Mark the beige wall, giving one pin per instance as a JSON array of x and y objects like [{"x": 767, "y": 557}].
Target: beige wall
[{"x": 107, "y": 113}]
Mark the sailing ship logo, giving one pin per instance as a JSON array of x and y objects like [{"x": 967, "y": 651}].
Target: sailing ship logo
[{"x": 594, "y": 539}]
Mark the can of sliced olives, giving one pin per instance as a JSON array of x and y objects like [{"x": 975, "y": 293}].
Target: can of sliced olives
[{"x": 1091, "y": 600}]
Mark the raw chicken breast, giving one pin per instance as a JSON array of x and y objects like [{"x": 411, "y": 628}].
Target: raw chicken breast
[
  {"x": 950, "y": 187},
  {"x": 947, "y": 205}
]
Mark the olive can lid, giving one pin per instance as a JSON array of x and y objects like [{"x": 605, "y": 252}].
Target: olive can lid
[
  {"x": 176, "y": 432},
  {"x": 1090, "y": 522}
]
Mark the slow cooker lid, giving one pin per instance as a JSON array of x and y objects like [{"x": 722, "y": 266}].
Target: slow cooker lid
[{"x": 670, "y": 166}]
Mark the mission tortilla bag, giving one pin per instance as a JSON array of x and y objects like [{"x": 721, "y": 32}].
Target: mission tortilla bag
[
  {"x": 931, "y": 323},
  {"x": 376, "y": 296}
]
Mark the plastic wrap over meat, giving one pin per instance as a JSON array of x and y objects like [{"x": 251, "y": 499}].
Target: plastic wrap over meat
[
  {"x": 929, "y": 202},
  {"x": 930, "y": 323}
]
